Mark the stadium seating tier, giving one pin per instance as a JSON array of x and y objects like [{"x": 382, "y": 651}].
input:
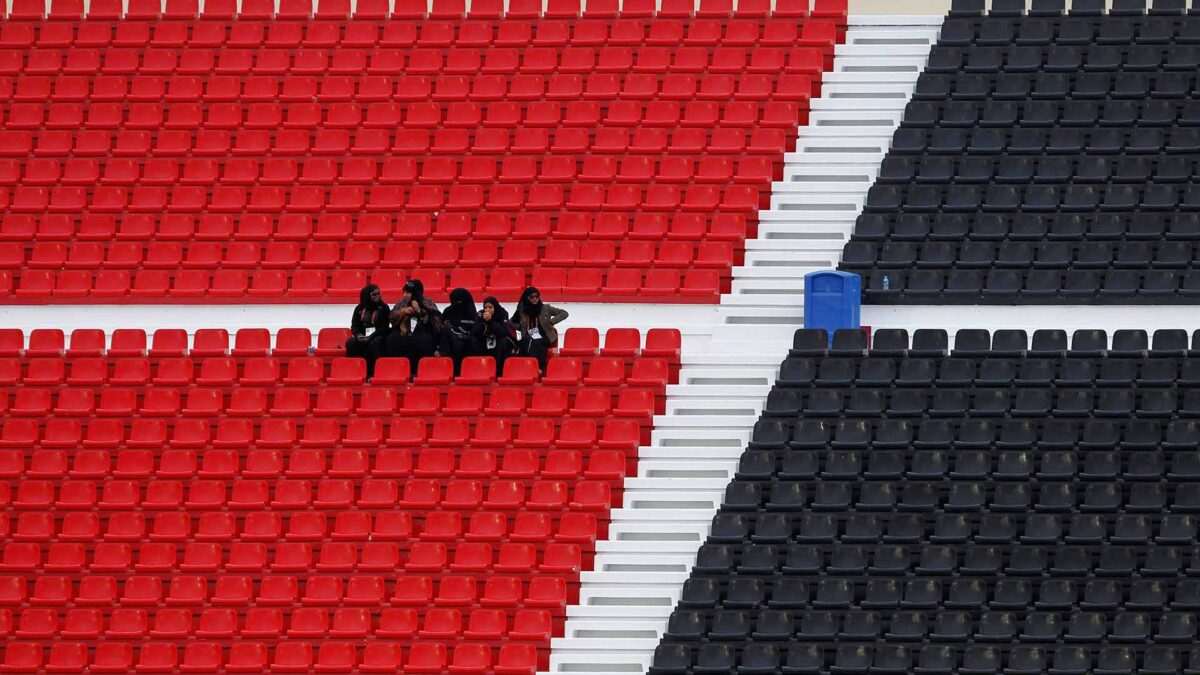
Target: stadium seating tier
[
  {"x": 235, "y": 159},
  {"x": 1016, "y": 504},
  {"x": 175, "y": 502},
  {"x": 1044, "y": 158}
]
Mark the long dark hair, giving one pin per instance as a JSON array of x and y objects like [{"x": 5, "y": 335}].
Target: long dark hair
[
  {"x": 364, "y": 297},
  {"x": 416, "y": 289}
]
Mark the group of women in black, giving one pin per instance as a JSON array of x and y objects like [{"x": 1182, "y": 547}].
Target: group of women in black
[{"x": 415, "y": 328}]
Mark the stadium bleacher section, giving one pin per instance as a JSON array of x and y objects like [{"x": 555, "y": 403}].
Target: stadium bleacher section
[
  {"x": 174, "y": 503},
  {"x": 243, "y": 156},
  {"x": 1008, "y": 505},
  {"x": 1045, "y": 157}
]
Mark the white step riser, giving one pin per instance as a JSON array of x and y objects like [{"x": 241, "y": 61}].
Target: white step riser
[{"x": 695, "y": 447}]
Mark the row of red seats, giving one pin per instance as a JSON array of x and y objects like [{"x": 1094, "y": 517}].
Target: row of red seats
[
  {"x": 440, "y": 623},
  {"x": 312, "y": 371},
  {"x": 248, "y": 558},
  {"x": 699, "y": 31},
  {"x": 778, "y": 46},
  {"x": 291, "y": 494},
  {"x": 408, "y": 88},
  {"x": 239, "y": 591},
  {"x": 300, "y": 10},
  {"x": 768, "y": 56},
  {"x": 579, "y": 285},
  {"x": 469, "y": 115},
  {"x": 562, "y": 371},
  {"x": 428, "y": 198},
  {"x": 497, "y": 135},
  {"x": 356, "y": 171},
  {"x": 543, "y": 114},
  {"x": 375, "y": 227},
  {"x": 371, "y": 144},
  {"x": 260, "y": 657},
  {"x": 306, "y": 622},
  {"x": 531, "y": 432},
  {"x": 367, "y": 254},
  {"x": 165, "y": 342},
  {"x": 473, "y": 264},
  {"x": 298, "y": 402},
  {"x": 551, "y": 34},
  {"x": 507, "y": 404},
  {"x": 183, "y": 461},
  {"x": 532, "y": 527},
  {"x": 262, "y": 371}
]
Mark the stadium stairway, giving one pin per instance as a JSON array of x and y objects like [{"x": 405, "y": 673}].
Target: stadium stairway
[
  {"x": 729, "y": 367},
  {"x": 826, "y": 178}
]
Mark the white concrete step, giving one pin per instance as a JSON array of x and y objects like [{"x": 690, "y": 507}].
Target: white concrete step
[
  {"x": 722, "y": 361},
  {"x": 700, "y": 407},
  {"x": 673, "y": 454},
  {"x": 753, "y": 287},
  {"x": 783, "y": 298},
  {"x": 696, "y": 470}
]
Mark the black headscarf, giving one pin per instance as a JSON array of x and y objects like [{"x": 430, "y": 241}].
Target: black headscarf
[
  {"x": 460, "y": 315},
  {"x": 526, "y": 307},
  {"x": 500, "y": 315}
]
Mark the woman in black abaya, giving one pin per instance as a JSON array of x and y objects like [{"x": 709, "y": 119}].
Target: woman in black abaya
[{"x": 368, "y": 327}]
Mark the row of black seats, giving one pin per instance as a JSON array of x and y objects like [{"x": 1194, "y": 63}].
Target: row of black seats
[
  {"x": 800, "y": 658},
  {"x": 735, "y": 563},
  {"x": 1001, "y": 529},
  {"x": 941, "y": 434},
  {"x": 993, "y": 627},
  {"x": 955, "y": 495},
  {"x": 1050, "y": 287},
  {"x": 1071, "y": 30},
  {"x": 1012, "y": 58},
  {"x": 1070, "y": 227},
  {"x": 986, "y": 592},
  {"x": 1101, "y": 255},
  {"x": 1040, "y": 140},
  {"x": 1054, "y": 8},
  {"x": 1141, "y": 171},
  {"x": 956, "y": 402},
  {"x": 851, "y": 462},
  {"x": 987, "y": 372},
  {"x": 1163, "y": 112},
  {"x": 1020, "y": 86},
  {"x": 1003, "y": 343}
]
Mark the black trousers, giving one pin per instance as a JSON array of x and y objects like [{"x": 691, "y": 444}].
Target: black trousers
[
  {"x": 369, "y": 350},
  {"x": 412, "y": 347},
  {"x": 459, "y": 348},
  {"x": 538, "y": 349}
]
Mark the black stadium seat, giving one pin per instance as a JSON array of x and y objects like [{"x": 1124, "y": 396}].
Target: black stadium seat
[{"x": 1047, "y": 155}]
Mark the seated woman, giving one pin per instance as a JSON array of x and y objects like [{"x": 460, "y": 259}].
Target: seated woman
[
  {"x": 416, "y": 325},
  {"x": 368, "y": 327},
  {"x": 493, "y": 332},
  {"x": 535, "y": 323},
  {"x": 458, "y": 320}
]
